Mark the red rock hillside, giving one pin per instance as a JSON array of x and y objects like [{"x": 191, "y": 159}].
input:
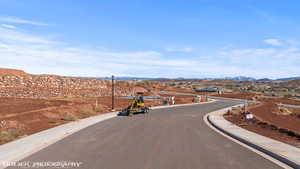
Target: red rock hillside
[
  {"x": 17, "y": 83},
  {"x": 14, "y": 72}
]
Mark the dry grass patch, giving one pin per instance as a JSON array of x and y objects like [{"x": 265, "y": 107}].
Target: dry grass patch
[
  {"x": 237, "y": 110},
  {"x": 99, "y": 109},
  {"x": 10, "y": 135},
  {"x": 284, "y": 111},
  {"x": 87, "y": 112},
  {"x": 69, "y": 117}
]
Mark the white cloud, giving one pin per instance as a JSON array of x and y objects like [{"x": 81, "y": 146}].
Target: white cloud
[
  {"x": 37, "y": 54},
  {"x": 20, "y": 21},
  {"x": 8, "y": 26},
  {"x": 263, "y": 62},
  {"x": 9, "y": 35},
  {"x": 273, "y": 42},
  {"x": 176, "y": 49}
]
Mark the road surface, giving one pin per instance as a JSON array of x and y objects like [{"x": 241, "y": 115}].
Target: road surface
[{"x": 170, "y": 138}]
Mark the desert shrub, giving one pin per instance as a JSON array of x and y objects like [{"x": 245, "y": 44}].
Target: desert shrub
[
  {"x": 98, "y": 109},
  {"x": 284, "y": 111},
  {"x": 87, "y": 112},
  {"x": 237, "y": 110},
  {"x": 69, "y": 117},
  {"x": 9, "y": 135}
]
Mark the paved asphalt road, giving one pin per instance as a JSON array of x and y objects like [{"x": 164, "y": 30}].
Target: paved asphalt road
[{"x": 171, "y": 138}]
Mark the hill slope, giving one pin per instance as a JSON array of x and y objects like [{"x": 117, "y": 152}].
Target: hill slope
[{"x": 15, "y": 72}]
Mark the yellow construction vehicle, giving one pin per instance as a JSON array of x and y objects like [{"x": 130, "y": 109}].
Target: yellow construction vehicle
[{"x": 137, "y": 106}]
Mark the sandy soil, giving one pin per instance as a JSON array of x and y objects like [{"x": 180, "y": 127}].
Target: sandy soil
[
  {"x": 296, "y": 112},
  {"x": 284, "y": 100},
  {"x": 13, "y": 72},
  {"x": 271, "y": 122},
  {"x": 270, "y": 113},
  {"x": 264, "y": 129},
  {"x": 28, "y": 116},
  {"x": 33, "y": 115},
  {"x": 11, "y": 106}
]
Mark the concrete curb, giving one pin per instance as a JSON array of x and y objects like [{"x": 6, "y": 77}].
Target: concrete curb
[
  {"x": 282, "y": 152},
  {"x": 181, "y": 105},
  {"x": 21, "y": 148}
]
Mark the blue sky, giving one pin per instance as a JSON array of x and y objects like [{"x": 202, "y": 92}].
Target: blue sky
[{"x": 201, "y": 38}]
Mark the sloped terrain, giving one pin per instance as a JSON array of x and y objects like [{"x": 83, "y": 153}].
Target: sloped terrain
[
  {"x": 13, "y": 72},
  {"x": 272, "y": 121}
]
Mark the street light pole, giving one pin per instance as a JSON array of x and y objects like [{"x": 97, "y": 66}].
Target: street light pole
[{"x": 112, "y": 92}]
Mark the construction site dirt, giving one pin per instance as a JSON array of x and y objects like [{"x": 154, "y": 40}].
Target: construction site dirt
[
  {"x": 21, "y": 116},
  {"x": 25, "y": 116},
  {"x": 271, "y": 122}
]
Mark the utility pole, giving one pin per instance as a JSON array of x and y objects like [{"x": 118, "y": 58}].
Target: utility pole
[
  {"x": 112, "y": 92},
  {"x": 246, "y": 103}
]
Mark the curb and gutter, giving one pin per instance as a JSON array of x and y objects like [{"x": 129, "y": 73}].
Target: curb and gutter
[
  {"x": 284, "y": 153},
  {"x": 23, "y": 147}
]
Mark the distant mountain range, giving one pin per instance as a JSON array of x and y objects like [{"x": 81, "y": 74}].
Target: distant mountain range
[
  {"x": 5, "y": 71},
  {"x": 251, "y": 79},
  {"x": 134, "y": 78},
  {"x": 242, "y": 79},
  {"x": 289, "y": 78},
  {"x": 238, "y": 79}
]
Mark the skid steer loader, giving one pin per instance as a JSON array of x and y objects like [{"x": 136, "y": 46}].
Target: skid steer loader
[{"x": 137, "y": 106}]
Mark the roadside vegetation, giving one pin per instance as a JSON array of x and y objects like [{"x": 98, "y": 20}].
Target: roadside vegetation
[{"x": 10, "y": 135}]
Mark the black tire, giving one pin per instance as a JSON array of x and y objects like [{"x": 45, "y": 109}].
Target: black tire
[
  {"x": 146, "y": 110},
  {"x": 130, "y": 113}
]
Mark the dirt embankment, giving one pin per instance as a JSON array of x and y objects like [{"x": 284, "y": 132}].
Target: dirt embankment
[
  {"x": 17, "y": 83},
  {"x": 22, "y": 116},
  {"x": 272, "y": 121},
  {"x": 32, "y": 103},
  {"x": 13, "y": 72},
  {"x": 272, "y": 114},
  {"x": 283, "y": 100},
  {"x": 264, "y": 129}
]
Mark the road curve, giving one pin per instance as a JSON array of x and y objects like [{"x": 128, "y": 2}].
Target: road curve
[{"x": 170, "y": 138}]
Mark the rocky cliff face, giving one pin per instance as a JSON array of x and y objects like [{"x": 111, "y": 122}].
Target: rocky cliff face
[{"x": 15, "y": 83}]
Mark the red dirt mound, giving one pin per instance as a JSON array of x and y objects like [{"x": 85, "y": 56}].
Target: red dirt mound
[
  {"x": 263, "y": 129},
  {"x": 266, "y": 112},
  {"x": 15, "y": 72},
  {"x": 283, "y": 100}
]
